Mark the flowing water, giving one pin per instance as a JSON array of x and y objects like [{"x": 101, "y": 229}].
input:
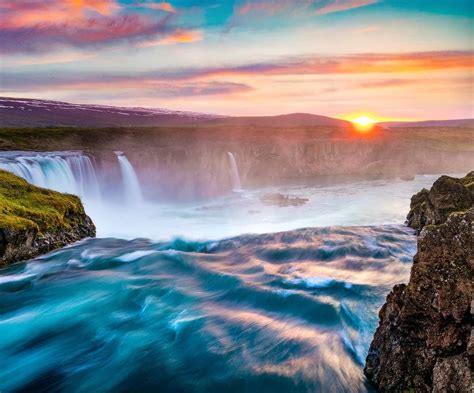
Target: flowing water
[
  {"x": 71, "y": 172},
  {"x": 286, "y": 312},
  {"x": 215, "y": 302},
  {"x": 131, "y": 185},
  {"x": 234, "y": 172}
]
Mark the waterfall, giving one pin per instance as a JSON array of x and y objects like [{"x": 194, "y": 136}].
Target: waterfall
[
  {"x": 71, "y": 172},
  {"x": 131, "y": 185},
  {"x": 234, "y": 172}
]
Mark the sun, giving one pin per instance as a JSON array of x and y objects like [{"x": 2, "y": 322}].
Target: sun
[{"x": 363, "y": 123}]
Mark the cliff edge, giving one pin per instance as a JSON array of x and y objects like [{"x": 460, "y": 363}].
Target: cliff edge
[
  {"x": 424, "y": 342},
  {"x": 34, "y": 220}
]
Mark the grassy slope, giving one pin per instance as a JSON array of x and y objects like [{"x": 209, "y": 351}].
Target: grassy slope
[
  {"x": 68, "y": 138},
  {"x": 24, "y": 206}
]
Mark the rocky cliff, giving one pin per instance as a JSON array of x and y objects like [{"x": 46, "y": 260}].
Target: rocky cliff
[
  {"x": 424, "y": 340},
  {"x": 34, "y": 220}
]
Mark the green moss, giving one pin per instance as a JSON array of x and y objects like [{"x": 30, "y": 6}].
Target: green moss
[
  {"x": 459, "y": 212},
  {"x": 430, "y": 227},
  {"x": 24, "y": 206}
]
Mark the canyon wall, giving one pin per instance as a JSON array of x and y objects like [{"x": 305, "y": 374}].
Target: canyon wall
[{"x": 201, "y": 167}]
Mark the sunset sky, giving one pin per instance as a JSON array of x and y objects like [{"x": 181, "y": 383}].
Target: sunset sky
[{"x": 393, "y": 59}]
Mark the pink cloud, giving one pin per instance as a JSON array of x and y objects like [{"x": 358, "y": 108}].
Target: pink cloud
[
  {"x": 29, "y": 26},
  {"x": 343, "y": 5},
  {"x": 28, "y": 13}
]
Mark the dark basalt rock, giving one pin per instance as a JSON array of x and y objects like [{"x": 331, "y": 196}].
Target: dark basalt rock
[
  {"x": 447, "y": 195},
  {"x": 281, "y": 200},
  {"x": 22, "y": 244},
  {"x": 423, "y": 342}
]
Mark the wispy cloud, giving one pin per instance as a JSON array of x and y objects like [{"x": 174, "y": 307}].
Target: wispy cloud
[
  {"x": 178, "y": 36},
  {"x": 57, "y": 58},
  {"x": 270, "y": 7},
  {"x": 218, "y": 78},
  {"x": 367, "y": 29},
  {"x": 320, "y": 7},
  {"x": 28, "y": 26},
  {"x": 342, "y": 5},
  {"x": 162, "y": 6},
  {"x": 198, "y": 89},
  {"x": 159, "y": 86},
  {"x": 347, "y": 64},
  {"x": 388, "y": 83}
]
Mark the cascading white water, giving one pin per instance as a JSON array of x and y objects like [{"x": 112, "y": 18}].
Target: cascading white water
[
  {"x": 71, "y": 172},
  {"x": 132, "y": 190},
  {"x": 234, "y": 172}
]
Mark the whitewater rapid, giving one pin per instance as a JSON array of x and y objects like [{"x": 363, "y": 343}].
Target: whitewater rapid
[{"x": 292, "y": 311}]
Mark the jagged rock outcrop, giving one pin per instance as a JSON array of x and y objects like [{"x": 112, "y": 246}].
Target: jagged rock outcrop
[
  {"x": 447, "y": 195},
  {"x": 424, "y": 339},
  {"x": 34, "y": 220}
]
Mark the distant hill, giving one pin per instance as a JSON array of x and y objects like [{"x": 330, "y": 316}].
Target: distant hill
[
  {"x": 26, "y": 112},
  {"x": 289, "y": 120},
  {"x": 469, "y": 123}
]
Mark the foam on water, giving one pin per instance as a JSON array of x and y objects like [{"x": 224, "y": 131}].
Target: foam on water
[{"x": 291, "y": 311}]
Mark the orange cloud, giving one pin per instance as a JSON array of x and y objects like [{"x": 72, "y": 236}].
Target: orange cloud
[
  {"x": 163, "y": 6},
  {"x": 179, "y": 36},
  {"x": 104, "y": 7}
]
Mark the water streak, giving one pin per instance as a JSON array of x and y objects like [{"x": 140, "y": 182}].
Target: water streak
[
  {"x": 234, "y": 172},
  {"x": 131, "y": 185}
]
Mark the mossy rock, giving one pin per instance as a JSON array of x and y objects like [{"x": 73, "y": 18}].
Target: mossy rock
[{"x": 35, "y": 220}]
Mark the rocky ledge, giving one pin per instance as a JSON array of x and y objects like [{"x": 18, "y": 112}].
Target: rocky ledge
[
  {"x": 34, "y": 220},
  {"x": 424, "y": 342}
]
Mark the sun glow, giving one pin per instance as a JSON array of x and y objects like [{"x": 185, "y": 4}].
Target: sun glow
[{"x": 363, "y": 122}]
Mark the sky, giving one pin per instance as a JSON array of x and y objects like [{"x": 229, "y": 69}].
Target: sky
[{"x": 391, "y": 59}]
